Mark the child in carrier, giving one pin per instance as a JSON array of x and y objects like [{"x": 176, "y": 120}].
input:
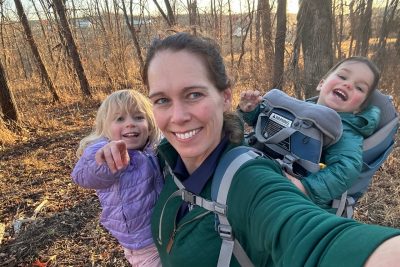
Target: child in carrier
[
  {"x": 127, "y": 195},
  {"x": 346, "y": 88}
]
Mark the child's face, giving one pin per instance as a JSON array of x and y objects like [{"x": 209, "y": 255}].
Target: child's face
[
  {"x": 133, "y": 128},
  {"x": 346, "y": 88}
]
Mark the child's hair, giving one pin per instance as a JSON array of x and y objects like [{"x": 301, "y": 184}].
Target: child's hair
[
  {"x": 371, "y": 65},
  {"x": 126, "y": 100}
]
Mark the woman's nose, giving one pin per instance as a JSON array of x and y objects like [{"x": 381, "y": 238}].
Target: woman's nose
[{"x": 180, "y": 113}]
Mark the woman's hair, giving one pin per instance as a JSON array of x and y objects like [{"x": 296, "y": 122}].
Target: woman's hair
[
  {"x": 371, "y": 65},
  {"x": 128, "y": 101},
  {"x": 208, "y": 51}
]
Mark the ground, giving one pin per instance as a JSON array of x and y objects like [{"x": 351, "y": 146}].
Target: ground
[{"x": 62, "y": 227}]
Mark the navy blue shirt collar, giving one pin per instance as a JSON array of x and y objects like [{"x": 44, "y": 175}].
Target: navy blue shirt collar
[{"x": 196, "y": 182}]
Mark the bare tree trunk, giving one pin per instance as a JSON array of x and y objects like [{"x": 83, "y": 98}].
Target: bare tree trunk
[
  {"x": 316, "y": 41},
  {"x": 280, "y": 37},
  {"x": 340, "y": 39},
  {"x": 2, "y": 29},
  {"x": 230, "y": 33},
  {"x": 35, "y": 51},
  {"x": 366, "y": 29},
  {"x": 16, "y": 43},
  {"x": 388, "y": 19},
  {"x": 170, "y": 12},
  {"x": 48, "y": 44},
  {"x": 73, "y": 49},
  {"x": 295, "y": 69},
  {"x": 266, "y": 31},
  {"x": 244, "y": 38},
  {"x": 163, "y": 13},
  {"x": 192, "y": 8},
  {"x": 258, "y": 35},
  {"x": 7, "y": 101},
  {"x": 134, "y": 37},
  {"x": 352, "y": 28}
]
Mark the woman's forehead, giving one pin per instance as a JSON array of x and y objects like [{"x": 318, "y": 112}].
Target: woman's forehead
[{"x": 171, "y": 69}]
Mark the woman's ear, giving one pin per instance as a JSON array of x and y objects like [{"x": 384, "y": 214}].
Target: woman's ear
[
  {"x": 321, "y": 82},
  {"x": 227, "y": 95}
]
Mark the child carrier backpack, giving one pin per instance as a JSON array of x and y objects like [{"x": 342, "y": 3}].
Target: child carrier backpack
[
  {"x": 376, "y": 149},
  {"x": 223, "y": 175},
  {"x": 294, "y": 132}
]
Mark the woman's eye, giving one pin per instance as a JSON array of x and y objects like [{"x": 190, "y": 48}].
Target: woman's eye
[
  {"x": 195, "y": 95},
  {"x": 342, "y": 77},
  {"x": 120, "y": 118},
  {"x": 160, "y": 101}
]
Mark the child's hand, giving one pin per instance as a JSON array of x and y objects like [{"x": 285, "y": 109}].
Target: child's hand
[
  {"x": 114, "y": 154},
  {"x": 249, "y": 100}
]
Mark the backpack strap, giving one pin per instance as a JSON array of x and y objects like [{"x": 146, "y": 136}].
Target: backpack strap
[
  {"x": 222, "y": 179},
  {"x": 226, "y": 169}
]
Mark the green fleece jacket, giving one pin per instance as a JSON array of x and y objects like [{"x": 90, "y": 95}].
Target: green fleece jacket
[
  {"x": 343, "y": 159},
  {"x": 275, "y": 223}
]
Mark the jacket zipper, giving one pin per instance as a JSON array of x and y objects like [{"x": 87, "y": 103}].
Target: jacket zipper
[{"x": 172, "y": 238}]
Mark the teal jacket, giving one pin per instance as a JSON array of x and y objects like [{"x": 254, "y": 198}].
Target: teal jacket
[
  {"x": 275, "y": 223},
  {"x": 343, "y": 160}
]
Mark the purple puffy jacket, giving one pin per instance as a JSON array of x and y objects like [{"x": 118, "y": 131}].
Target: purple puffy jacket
[{"x": 127, "y": 197}]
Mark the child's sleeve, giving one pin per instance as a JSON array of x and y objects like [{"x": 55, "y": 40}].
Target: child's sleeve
[
  {"x": 343, "y": 162},
  {"x": 87, "y": 173},
  {"x": 250, "y": 118}
]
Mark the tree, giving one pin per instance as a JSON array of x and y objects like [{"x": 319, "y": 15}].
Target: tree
[
  {"x": 170, "y": 19},
  {"x": 388, "y": 20},
  {"x": 280, "y": 37},
  {"x": 72, "y": 48},
  {"x": 266, "y": 32},
  {"x": 134, "y": 36},
  {"x": 366, "y": 29},
  {"x": 315, "y": 20},
  {"x": 35, "y": 51},
  {"x": 7, "y": 101}
]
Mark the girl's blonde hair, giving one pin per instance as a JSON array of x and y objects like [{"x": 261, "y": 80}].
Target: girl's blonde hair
[{"x": 126, "y": 100}]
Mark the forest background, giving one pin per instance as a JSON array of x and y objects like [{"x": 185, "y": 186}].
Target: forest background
[{"x": 59, "y": 59}]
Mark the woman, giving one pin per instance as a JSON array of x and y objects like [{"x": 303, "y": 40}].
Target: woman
[{"x": 274, "y": 222}]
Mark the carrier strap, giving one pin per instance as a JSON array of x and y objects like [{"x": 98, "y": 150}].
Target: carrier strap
[
  {"x": 340, "y": 204},
  {"x": 229, "y": 243},
  {"x": 223, "y": 176}
]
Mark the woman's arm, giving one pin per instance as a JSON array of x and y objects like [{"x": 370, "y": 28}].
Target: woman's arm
[{"x": 387, "y": 254}]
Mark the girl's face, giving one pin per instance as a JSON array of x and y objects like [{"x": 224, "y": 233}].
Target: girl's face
[
  {"x": 131, "y": 127},
  {"x": 187, "y": 106},
  {"x": 346, "y": 88}
]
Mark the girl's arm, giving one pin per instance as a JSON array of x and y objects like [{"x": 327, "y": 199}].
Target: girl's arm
[{"x": 89, "y": 173}]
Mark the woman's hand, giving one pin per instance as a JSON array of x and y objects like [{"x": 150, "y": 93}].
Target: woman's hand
[
  {"x": 249, "y": 100},
  {"x": 114, "y": 154}
]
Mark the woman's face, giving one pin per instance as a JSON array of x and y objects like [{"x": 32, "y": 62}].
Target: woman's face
[{"x": 187, "y": 106}]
